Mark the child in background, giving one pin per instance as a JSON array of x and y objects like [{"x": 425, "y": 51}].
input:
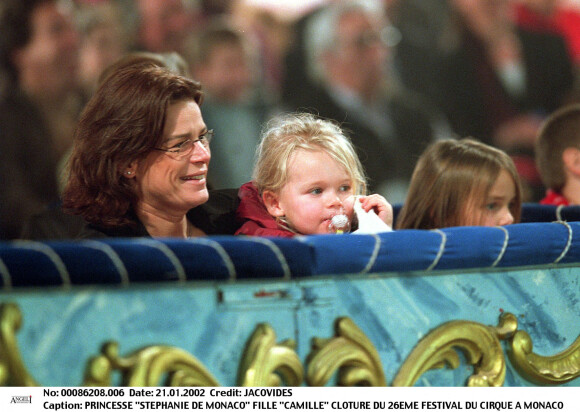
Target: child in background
[
  {"x": 462, "y": 183},
  {"x": 225, "y": 61},
  {"x": 558, "y": 156},
  {"x": 306, "y": 173}
]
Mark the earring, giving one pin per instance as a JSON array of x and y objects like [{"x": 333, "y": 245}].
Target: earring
[{"x": 128, "y": 173}]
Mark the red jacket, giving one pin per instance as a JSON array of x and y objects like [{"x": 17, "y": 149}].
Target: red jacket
[
  {"x": 255, "y": 217},
  {"x": 554, "y": 198}
]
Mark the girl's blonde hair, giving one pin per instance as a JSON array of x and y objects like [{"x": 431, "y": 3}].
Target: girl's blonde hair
[
  {"x": 449, "y": 177},
  {"x": 284, "y": 134}
]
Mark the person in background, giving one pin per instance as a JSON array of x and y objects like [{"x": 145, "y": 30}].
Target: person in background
[
  {"x": 419, "y": 41},
  {"x": 270, "y": 27},
  {"x": 347, "y": 61},
  {"x": 306, "y": 173},
  {"x": 558, "y": 156},
  {"x": 105, "y": 38},
  {"x": 462, "y": 183},
  {"x": 164, "y": 25},
  {"x": 140, "y": 158},
  {"x": 39, "y": 104},
  {"x": 552, "y": 16},
  {"x": 226, "y": 63},
  {"x": 497, "y": 82}
]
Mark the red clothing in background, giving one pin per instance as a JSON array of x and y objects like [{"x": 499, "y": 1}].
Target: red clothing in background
[
  {"x": 554, "y": 198},
  {"x": 564, "y": 21},
  {"x": 256, "y": 221}
]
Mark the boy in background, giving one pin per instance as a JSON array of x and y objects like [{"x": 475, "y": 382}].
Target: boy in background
[{"x": 558, "y": 156}]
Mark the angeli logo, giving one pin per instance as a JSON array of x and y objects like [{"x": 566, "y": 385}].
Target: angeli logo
[{"x": 21, "y": 399}]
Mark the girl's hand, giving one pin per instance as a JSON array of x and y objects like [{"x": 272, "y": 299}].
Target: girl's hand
[{"x": 379, "y": 204}]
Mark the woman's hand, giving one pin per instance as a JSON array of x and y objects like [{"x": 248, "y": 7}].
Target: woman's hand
[{"x": 379, "y": 204}]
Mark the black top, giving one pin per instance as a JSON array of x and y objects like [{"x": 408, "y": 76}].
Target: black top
[
  {"x": 28, "y": 162},
  {"x": 215, "y": 217}
]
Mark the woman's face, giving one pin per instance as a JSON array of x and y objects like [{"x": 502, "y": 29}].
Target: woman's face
[
  {"x": 497, "y": 209},
  {"x": 170, "y": 183}
]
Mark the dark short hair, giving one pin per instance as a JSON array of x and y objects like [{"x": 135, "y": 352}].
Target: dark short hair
[
  {"x": 560, "y": 131},
  {"x": 121, "y": 124},
  {"x": 219, "y": 32}
]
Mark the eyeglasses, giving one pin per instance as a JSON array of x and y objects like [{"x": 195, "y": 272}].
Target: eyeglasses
[{"x": 185, "y": 148}]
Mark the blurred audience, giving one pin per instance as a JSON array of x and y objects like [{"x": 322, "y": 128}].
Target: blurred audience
[
  {"x": 420, "y": 42},
  {"x": 552, "y": 16},
  {"x": 493, "y": 68},
  {"x": 227, "y": 64},
  {"x": 497, "y": 82},
  {"x": 348, "y": 65},
  {"x": 272, "y": 32},
  {"x": 105, "y": 37},
  {"x": 39, "y": 104},
  {"x": 296, "y": 82},
  {"x": 164, "y": 25}
]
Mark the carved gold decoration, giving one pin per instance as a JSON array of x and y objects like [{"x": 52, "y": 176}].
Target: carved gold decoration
[
  {"x": 350, "y": 352},
  {"x": 12, "y": 369},
  {"x": 265, "y": 363},
  {"x": 556, "y": 369},
  {"x": 480, "y": 344},
  {"x": 147, "y": 366}
]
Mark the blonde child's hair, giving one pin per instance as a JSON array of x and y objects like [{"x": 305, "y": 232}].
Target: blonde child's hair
[
  {"x": 286, "y": 133},
  {"x": 560, "y": 131},
  {"x": 449, "y": 177}
]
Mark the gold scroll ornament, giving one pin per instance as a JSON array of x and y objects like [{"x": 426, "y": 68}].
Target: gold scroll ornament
[{"x": 349, "y": 355}]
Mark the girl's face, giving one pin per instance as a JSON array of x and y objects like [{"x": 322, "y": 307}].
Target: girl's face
[
  {"x": 317, "y": 189},
  {"x": 497, "y": 208}
]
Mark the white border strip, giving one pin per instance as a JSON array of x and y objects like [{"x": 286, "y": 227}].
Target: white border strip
[
  {"x": 115, "y": 258},
  {"x": 506, "y": 240},
  {"x": 50, "y": 253},
  {"x": 277, "y": 252},
  {"x": 568, "y": 244},
  {"x": 227, "y": 260},
  {"x": 441, "y": 249},
  {"x": 559, "y": 213},
  {"x": 374, "y": 255},
  {"x": 159, "y": 245}
]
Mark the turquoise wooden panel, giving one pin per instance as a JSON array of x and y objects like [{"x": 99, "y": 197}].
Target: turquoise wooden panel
[{"x": 212, "y": 321}]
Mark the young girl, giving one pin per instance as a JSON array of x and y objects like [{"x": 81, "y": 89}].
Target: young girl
[
  {"x": 462, "y": 183},
  {"x": 306, "y": 173}
]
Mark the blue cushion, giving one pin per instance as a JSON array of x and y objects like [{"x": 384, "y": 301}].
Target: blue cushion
[
  {"x": 30, "y": 263},
  {"x": 124, "y": 261}
]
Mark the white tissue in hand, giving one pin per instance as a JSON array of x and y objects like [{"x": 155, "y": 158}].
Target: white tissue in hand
[{"x": 368, "y": 222}]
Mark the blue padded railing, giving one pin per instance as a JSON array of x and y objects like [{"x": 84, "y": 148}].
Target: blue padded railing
[
  {"x": 220, "y": 258},
  {"x": 452, "y": 248},
  {"x": 533, "y": 212},
  {"x": 123, "y": 261}
]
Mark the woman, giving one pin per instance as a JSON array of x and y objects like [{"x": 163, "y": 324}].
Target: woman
[{"x": 140, "y": 159}]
